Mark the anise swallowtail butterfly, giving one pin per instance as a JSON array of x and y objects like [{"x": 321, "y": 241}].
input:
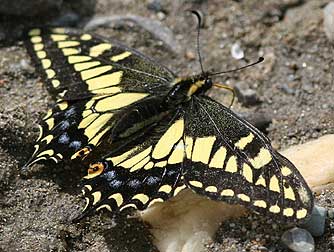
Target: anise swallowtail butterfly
[{"x": 150, "y": 135}]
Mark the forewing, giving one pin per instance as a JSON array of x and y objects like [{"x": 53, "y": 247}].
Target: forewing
[
  {"x": 94, "y": 81},
  {"x": 75, "y": 65},
  {"x": 228, "y": 159},
  {"x": 137, "y": 177}
]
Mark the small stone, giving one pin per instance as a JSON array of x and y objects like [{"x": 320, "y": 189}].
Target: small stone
[
  {"x": 237, "y": 52},
  {"x": 190, "y": 55},
  {"x": 156, "y": 6},
  {"x": 274, "y": 226},
  {"x": 161, "y": 15},
  {"x": 331, "y": 226},
  {"x": 247, "y": 96},
  {"x": 262, "y": 249},
  {"x": 298, "y": 240},
  {"x": 307, "y": 87},
  {"x": 331, "y": 213},
  {"x": 329, "y": 20},
  {"x": 287, "y": 89},
  {"x": 324, "y": 106},
  {"x": 26, "y": 66},
  {"x": 316, "y": 224}
]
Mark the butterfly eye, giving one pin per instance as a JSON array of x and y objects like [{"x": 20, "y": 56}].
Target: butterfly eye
[
  {"x": 96, "y": 169},
  {"x": 208, "y": 83}
]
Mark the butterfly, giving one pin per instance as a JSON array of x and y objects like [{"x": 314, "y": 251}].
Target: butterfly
[{"x": 149, "y": 134}]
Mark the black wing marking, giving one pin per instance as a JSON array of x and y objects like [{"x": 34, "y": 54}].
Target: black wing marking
[
  {"x": 141, "y": 174},
  {"x": 229, "y": 159},
  {"x": 96, "y": 80}
]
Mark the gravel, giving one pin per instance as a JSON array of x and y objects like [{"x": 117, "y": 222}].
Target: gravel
[{"x": 34, "y": 209}]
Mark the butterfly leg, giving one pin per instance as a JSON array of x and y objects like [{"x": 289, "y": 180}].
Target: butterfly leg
[{"x": 229, "y": 88}]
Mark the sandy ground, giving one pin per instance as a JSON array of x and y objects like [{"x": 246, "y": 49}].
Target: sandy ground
[{"x": 293, "y": 86}]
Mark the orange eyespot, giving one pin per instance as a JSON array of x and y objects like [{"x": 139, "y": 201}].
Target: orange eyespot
[
  {"x": 95, "y": 169},
  {"x": 82, "y": 153}
]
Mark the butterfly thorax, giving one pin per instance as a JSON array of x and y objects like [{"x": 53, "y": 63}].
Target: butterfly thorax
[{"x": 184, "y": 88}]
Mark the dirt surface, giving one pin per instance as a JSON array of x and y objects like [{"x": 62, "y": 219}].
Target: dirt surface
[{"x": 293, "y": 86}]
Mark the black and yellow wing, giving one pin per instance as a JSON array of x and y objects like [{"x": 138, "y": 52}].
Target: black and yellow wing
[
  {"x": 146, "y": 171},
  {"x": 94, "y": 82},
  {"x": 228, "y": 159}
]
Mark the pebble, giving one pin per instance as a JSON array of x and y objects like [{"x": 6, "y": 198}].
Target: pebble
[
  {"x": 161, "y": 15},
  {"x": 298, "y": 240},
  {"x": 316, "y": 224},
  {"x": 331, "y": 225},
  {"x": 189, "y": 55},
  {"x": 262, "y": 249},
  {"x": 237, "y": 52},
  {"x": 156, "y": 6},
  {"x": 329, "y": 20},
  {"x": 287, "y": 89},
  {"x": 331, "y": 213},
  {"x": 24, "y": 65},
  {"x": 247, "y": 96}
]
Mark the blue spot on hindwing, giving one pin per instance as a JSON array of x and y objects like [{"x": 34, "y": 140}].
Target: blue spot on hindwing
[
  {"x": 115, "y": 184},
  {"x": 64, "y": 138},
  {"x": 75, "y": 145},
  {"x": 109, "y": 176},
  {"x": 69, "y": 112},
  {"x": 170, "y": 173},
  {"x": 135, "y": 183},
  {"x": 152, "y": 180},
  {"x": 64, "y": 125}
]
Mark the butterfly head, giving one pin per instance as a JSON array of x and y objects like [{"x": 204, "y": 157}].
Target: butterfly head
[
  {"x": 184, "y": 88},
  {"x": 199, "y": 84}
]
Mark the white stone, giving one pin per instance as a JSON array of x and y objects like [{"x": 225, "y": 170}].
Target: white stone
[
  {"x": 237, "y": 52},
  {"x": 188, "y": 221},
  {"x": 315, "y": 161},
  {"x": 298, "y": 240},
  {"x": 329, "y": 20}
]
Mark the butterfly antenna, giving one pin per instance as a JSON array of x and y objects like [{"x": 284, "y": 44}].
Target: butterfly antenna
[
  {"x": 199, "y": 19},
  {"x": 240, "y": 68}
]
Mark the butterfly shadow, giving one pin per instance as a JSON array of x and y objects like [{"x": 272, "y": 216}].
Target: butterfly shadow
[{"x": 128, "y": 233}]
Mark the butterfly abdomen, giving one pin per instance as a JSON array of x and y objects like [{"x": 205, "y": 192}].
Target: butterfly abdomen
[{"x": 139, "y": 116}]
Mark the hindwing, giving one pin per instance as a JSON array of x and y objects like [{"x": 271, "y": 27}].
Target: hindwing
[
  {"x": 143, "y": 173},
  {"x": 228, "y": 159},
  {"x": 94, "y": 81}
]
